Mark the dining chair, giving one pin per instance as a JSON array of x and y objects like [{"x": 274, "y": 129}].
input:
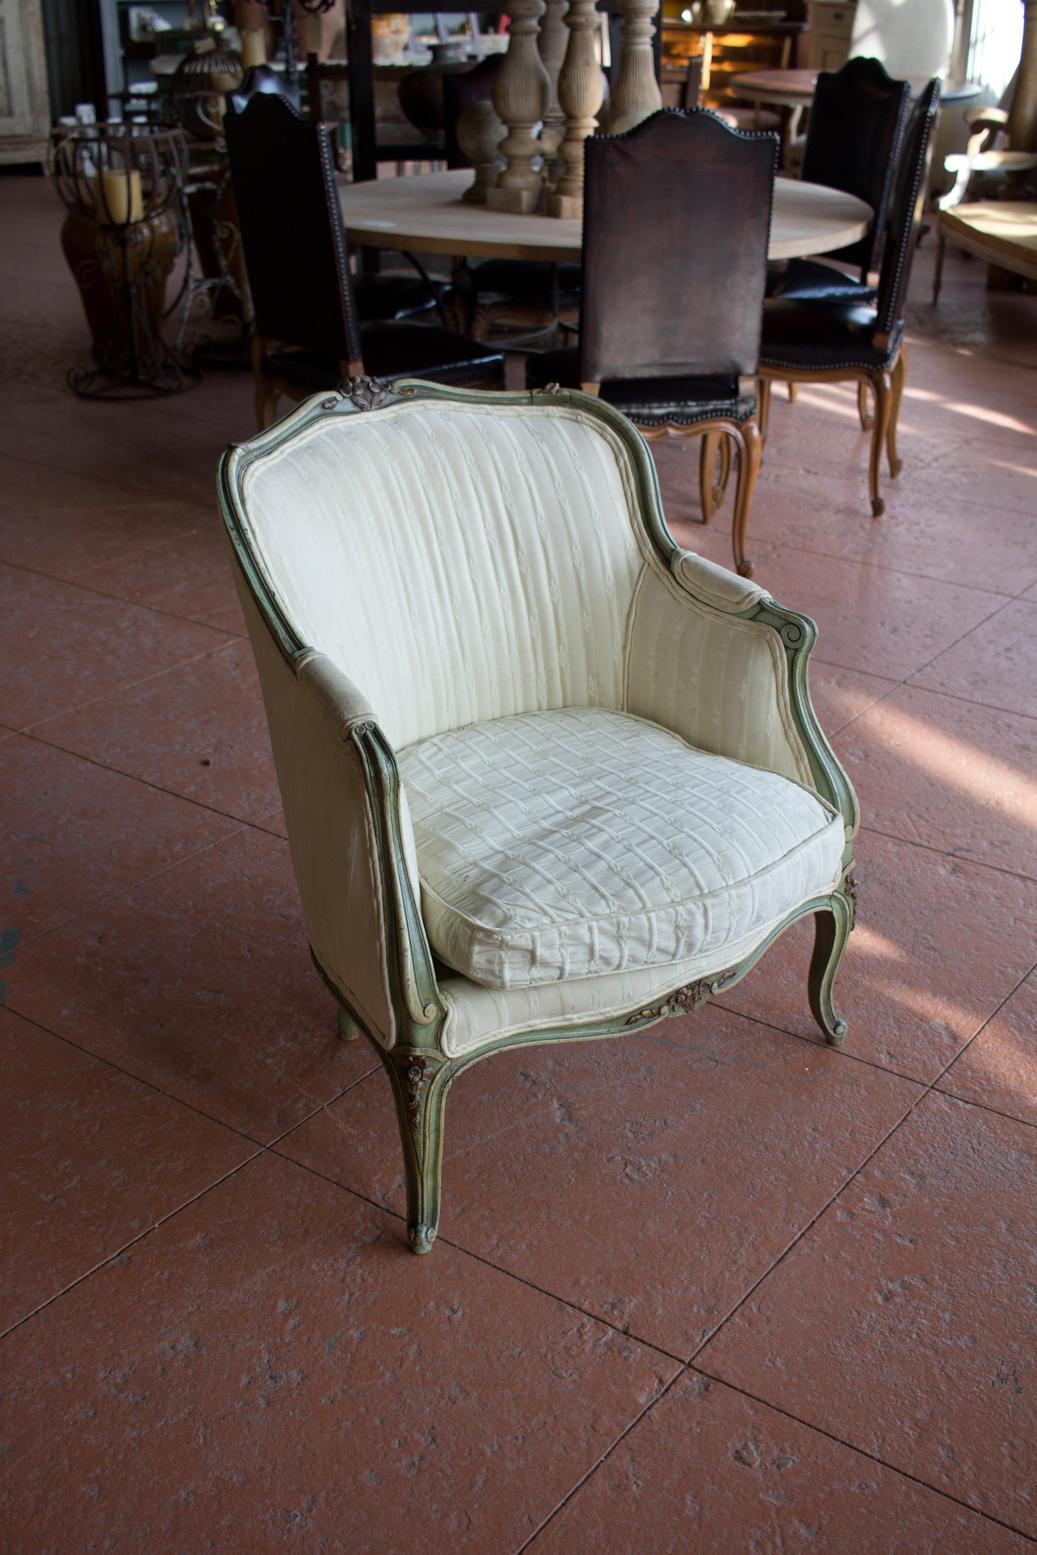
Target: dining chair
[
  {"x": 308, "y": 331},
  {"x": 852, "y": 144},
  {"x": 676, "y": 223},
  {"x": 546, "y": 776},
  {"x": 850, "y": 341}
]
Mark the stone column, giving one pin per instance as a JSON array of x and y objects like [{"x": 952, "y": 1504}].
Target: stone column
[
  {"x": 581, "y": 90},
  {"x": 520, "y": 96},
  {"x": 553, "y": 38},
  {"x": 636, "y": 94}
]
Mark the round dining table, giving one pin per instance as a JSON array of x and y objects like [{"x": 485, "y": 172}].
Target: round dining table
[
  {"x": 795, "y": 88},
  {"x": 426, "y": 215}
]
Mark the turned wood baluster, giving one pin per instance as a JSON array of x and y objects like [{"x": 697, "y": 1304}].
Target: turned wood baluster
[
  {"x": 553, "y": 38},
  {"x": 636, "y": 93},
  {"x": 581, "y": 90},
  {"x": 519, "y": 96}
]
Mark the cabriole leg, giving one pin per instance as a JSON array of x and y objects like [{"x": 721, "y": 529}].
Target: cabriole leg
[
  {"x": 831, "y": 930},
  {"x": 899, "y": 374},
  {"x": 863, "y": 409},
  {"x": 748, "y": 469},
  {"x": 420, "y": 1082},
  {"x": 880, "y": 427}
]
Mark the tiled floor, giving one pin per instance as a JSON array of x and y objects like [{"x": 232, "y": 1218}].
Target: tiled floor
[{"x": 713, "y": 1289}]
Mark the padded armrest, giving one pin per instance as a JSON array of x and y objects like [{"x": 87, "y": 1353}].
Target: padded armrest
[
  {"x": 703, "y": 663},
  {"x": 987, "y": 118}
]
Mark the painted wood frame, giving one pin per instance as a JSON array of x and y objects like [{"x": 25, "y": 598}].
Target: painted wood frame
[{"x": 420, "y": 1070}]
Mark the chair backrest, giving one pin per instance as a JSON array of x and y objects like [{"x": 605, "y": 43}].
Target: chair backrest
[
  {"x": 292, "y": 234},
  {"x": 677, "y": 216},
  {"x": 856, "y": 122},
  {"x": 910, "y": 37},
  {"x": 262, "y": 80},
  {"x": 457, "y": 560},
  {"x": 907, "y": 207}
]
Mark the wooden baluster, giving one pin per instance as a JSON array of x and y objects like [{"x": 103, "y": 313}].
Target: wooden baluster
[
  {"x": 519, "y": 96},
  {"x": 553, "y": 38},
  {"x": 479, "y": 134},
  {"x": 581, "y": 90},
  {"x": 636, "y": 94}
]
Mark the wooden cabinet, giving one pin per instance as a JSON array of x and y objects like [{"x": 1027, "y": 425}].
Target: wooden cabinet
[
  {"x": 725, "y": 52},
  {"x": 831, "y": 22},
  {"x": 24, "y": 102}
]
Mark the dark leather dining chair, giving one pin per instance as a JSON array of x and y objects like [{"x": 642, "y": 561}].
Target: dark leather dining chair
[
  {"x": 308, "y": 333},
  {"x": 856, "y": 126},
  {"x": 676, "y": 223},
  {"x": 854, "y": 341}
]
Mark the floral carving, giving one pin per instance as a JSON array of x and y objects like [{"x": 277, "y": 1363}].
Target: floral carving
[
  {"x": 370, "y": 393},
  {"x": 415, "y": 1077},
  {"x": 850, "y": 890},
  {"x": 684, "y": 1000}
]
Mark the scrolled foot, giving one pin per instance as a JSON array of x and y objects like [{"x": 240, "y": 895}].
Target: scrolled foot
[
  {"x": 895, "y": 467},
  {"x": 745, "y": 569},
  {"x": 348, "y": 1030},
  {"x": 878, "y": 507},
  {"x": 421, "y": 1238}
]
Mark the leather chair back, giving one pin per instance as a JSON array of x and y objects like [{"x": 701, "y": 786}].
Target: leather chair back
[
  {"x": 677, "y": 217},
  {"x": 907, "y": 207},
  {"x": 292, "y": 234},
  {"x": 856, "y": 123},
  {"x": 259, "y": 80}
]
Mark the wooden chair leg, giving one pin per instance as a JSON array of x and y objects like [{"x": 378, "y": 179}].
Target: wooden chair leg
[
  {"x": 763, "y": 405},
  {"x": 899, "y": 375},
  {"x": 880, "y": 427},
  {"x": 941, "y": 249},
  {"x": 831, "y": 931},
  {"x": 708, "y": 450},
  {"x": 793, "y": 389},
  {"x": 420, "y": 1082},
  {"x": 749, "y": 450},
  {"x": 863, "y": 408}
]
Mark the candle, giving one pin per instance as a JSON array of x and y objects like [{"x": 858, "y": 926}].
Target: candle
[
  {"x": 120, "y": 198},
  {"x": 253, "y": 47}
]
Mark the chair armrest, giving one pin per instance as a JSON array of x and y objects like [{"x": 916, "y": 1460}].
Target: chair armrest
[
  {"x": 350, "y": 837},
  {"x": 986, "y": 118},
  {"x": 713, "y": 658}
]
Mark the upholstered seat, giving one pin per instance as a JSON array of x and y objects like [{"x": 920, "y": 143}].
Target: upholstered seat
[
  {"x": 579, "y": 842},
  {"x": 649, "y": 401},
  {"x": 545, "y": 775},
  {"x": 391, "y": 349},
  {"x": 801, "y": 334},
  {"x": 811, "y": 280}
]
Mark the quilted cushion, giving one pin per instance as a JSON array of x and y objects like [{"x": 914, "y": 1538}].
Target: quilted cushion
[{"x": 579, "y": 842}]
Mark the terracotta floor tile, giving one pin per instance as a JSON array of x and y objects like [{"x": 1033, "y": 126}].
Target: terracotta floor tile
[
  {"x": 841, "y": 695},
  {"x": 65, "y": 541},
  {"x": 32, "y": 488},
  {"x": 64, "y": 645},
  {"x": 199, "y": 731},
  {"x": 91, "y": 1159},
  {"x": 943, "y": 772},
  {"x": 924, "y": 531},
  {"x": 271, "y": 1367},
  {"x": 903, "y": 1323},
  {"x": 200, "y": 982},
  {"x": 995, "y": 664},
  {"x": 999, "y": 1068},
  {"x": 710, "y": 1471},
  {"x": 188, "y": 577},
  {"x": 72, "y": 834},
  {"x": 939, "y": 943},
  {"x": 650, "y": 1180},
  {"x": 870, "y": 618}
]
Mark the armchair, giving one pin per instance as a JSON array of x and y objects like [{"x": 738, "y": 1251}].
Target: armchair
[{"x": 546, "y": 775}]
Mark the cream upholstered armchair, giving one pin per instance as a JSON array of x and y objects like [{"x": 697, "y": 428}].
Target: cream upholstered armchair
[{"x": 546, "y": 775}]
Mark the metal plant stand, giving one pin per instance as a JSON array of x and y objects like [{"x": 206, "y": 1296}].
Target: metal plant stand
[{"x": 121, "y": 184}]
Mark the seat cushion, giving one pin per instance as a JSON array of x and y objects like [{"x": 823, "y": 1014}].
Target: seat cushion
[
  {"x": 647, "y": 401},
  {"x": 811, "y": 280},
  {"x": 821, "y": 336},
  {"x": 395, "y": 349},
  {"x": 580, "y": 842}
]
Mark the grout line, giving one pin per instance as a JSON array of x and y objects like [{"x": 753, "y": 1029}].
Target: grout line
[
  {"x": 956, "y": 696},
  {"x": 863, "y": 1451},
  {"x": 959, "y": 858},
  {"x": 602, "y": 1458},
  {"x": 786, "y": 544},
  {"x": 89, "y": 1273}
]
